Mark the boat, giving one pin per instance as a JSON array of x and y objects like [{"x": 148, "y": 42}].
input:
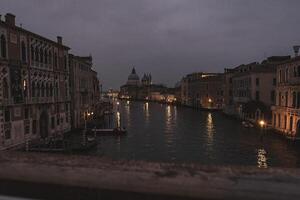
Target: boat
[
  {"x": 292, "y": 138},
  {"x": 114, "y": 131},
  {"x": 247, "y": 124}
]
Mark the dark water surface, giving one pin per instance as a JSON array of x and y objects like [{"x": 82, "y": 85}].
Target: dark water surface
[{"x": 159, "y": 132}]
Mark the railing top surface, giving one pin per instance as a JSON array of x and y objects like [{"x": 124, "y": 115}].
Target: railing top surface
[{"x": 188, "y": 180}]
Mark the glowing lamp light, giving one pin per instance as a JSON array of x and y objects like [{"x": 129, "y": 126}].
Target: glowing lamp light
[
  {"x": 118, "y": 103},
  {"x": 209, "y": 100},
  {"x": 262, "y": 123},
  {"x": 127, "y": 102}
]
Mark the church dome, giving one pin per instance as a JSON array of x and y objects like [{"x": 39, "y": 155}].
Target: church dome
[{"x": 133, "y": 78}]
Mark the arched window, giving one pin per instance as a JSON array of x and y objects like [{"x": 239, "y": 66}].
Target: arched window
[
  {"x": 47, "y": 90},
  {"x": 56, "y": 89},
  {"x": 46, "y": 57},
  {"x": 66, "y": 89},
  {"x": 3, "y": 46},
  {"x": 298, "y": 100},
  {"x": 50, "y": 57},
  {"x": 65, "y": 62},
  {"x": 33, "y": 89},
  {"x": 285, "y": 121},
  {"x": 274, "y": 120},
  {"x": 5, "y": 88},
  {"x": 291, "y": 123},
  {"x": 51, "y": 90},
  {"x": 42, "y": 90},
  {"x": 55, "y": 59},
  {"x": 41, "y": 55},
  {"x": 25, "y": 87},
  {"x": 294, "y": 100},
  {"x": 38, "y": 89},
  {"x": 23, "y": 50},
  {"x": 32, "y": 52},
  {"x": 286, "y": 99},
  {"x": 36, "y": 54}
]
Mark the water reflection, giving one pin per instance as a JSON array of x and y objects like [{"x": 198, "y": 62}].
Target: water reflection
[
  {"x": 146, "y": 110},
  {"x": 168, "y": 117},
  {"x": 262, "y": 158},
  {"x": 118, "y": 119},
  {"x": 188, "y": 135},
  {"x": 169, "y": 130},
  {"x": 210, "y": 129}
]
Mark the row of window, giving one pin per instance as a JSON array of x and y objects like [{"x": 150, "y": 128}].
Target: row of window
[
  {"x": 295, "y": 99},
  {"x": 284, "y": 74},
  {"x": 59, "y": 121},
  {"x": 37, "y": 89},
  {"x": 7, "y": 112},
  {"x": 37, "y": 54},
  {"x": 279, "y": 123}
]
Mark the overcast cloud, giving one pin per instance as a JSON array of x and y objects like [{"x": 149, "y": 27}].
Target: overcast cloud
[{"x": 167, "y": 38}]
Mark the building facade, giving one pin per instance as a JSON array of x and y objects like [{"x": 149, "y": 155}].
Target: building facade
[
  {"x": 85, "y": 91},
  {"x": 286, "y": 112},
  {"x": 202, "y": 90},
  {"x": 250, "y": 89},
  {"x": 34, "y": 85}
]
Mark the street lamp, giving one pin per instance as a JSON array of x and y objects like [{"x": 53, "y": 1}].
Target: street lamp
[{"x": 262, "y": 123}]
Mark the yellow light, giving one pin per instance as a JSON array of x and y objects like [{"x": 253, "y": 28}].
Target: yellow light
[
  {"x": 88, "y": 114},
  {"x": 209, "y": 100},
  {"x": 92, "y": 113},
  {"x": 262, "y": 123},
  {"x": 118, "y": 103}
]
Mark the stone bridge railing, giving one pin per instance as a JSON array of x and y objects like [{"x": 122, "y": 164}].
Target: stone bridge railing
[{"x": 52, "y": 176}]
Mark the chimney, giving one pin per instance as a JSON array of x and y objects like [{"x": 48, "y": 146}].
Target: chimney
[
  {"x": 59, "y": 39},
  {"x": 296, "y": 50},
  {"x": 10, "y": 19}
]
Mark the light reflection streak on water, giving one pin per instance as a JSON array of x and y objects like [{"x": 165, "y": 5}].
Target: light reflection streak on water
[
  {"x": 146, "y": 110},
  {"x": 127, "y": 113},
  {"x": 118, "y": 119},
  {"x": 168, "y": 118},
  {"x": 169, "y": 128},
  {"x": 210, "y": 129},
  {"x": 262, "y": 158}
]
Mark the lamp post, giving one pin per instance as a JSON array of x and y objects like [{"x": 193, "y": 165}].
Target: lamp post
[
  {"x": 86, "y": 115},
  {"x": 262, "y": 124}
]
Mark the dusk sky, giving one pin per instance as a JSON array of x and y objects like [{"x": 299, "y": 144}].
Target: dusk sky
[{"x": 167, "y": 38}]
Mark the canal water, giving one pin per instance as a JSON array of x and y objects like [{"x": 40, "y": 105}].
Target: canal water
[{"x": 158, "y": 132}]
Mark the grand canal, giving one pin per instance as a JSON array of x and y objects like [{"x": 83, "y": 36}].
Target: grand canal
[{"x": 158, "y": 132}]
